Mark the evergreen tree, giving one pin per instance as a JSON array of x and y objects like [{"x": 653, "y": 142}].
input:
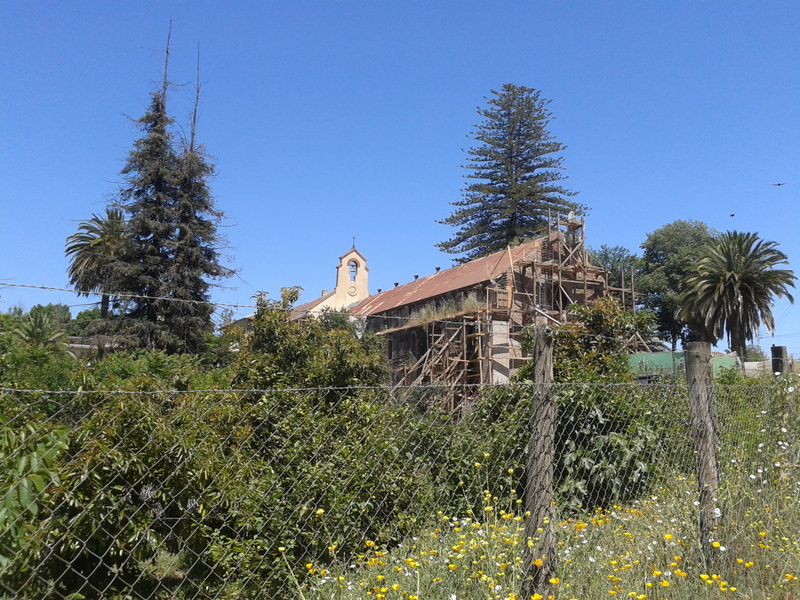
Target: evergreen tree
[
  {"x": 148, "y": 197},
  {"x": 517, "y": 171},
  {"x": 195, "y": 254},
  {"x": 172, "y": 229}
]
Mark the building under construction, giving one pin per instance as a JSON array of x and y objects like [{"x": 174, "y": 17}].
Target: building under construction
[{"x": 461, "y": 325}]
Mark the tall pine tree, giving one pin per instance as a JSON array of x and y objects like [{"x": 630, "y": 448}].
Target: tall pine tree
[
  {"x": 172, "y": 229},
  {"x": 195, "y": 255},
  {"x": 517, "y": 171}
]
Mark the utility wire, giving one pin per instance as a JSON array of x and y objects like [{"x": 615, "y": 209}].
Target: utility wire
[{"x": 398, "y": 320}]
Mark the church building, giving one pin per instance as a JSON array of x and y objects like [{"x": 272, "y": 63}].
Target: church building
[{"x": 352, "y": 287}]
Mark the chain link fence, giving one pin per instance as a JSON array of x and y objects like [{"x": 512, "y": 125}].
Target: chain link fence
[{"x": 378, "y": 493}]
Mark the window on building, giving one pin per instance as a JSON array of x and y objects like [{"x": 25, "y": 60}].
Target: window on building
[{"x": 353, "y": 266}]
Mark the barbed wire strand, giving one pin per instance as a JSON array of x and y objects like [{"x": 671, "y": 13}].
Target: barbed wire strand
[
  {"x": 304, "y": 312},
  {"x": 351, "y": 388}
]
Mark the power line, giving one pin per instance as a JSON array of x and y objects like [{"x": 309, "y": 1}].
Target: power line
[
  {"x": 126, "y": 295},
  {"x": 261, "y": 390},
  {"x": 351, "y": 388},
  {"x": 397, "y": 319}
]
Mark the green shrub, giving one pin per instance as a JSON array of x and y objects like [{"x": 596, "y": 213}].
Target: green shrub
[{"x": 28, "y": 450}]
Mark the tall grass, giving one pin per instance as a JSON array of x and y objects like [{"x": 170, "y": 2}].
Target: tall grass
[
  {"x": 647, "y": 548},
  {"x": 451, "y": 307}
]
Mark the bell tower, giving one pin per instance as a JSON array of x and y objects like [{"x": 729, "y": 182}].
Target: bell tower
[{"x": 351, "y": 278}]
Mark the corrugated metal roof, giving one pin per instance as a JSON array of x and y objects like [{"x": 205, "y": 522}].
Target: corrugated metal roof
[{"x": 450, "y": 280}]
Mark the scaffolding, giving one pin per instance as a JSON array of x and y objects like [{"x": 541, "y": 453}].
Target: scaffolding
[{"x": 483, "y": 346}]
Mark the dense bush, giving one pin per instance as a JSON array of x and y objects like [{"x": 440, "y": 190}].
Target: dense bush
[
  {"x": 306, "y": 353},
  {"x": 185, "y": 493},
  {"x": 608, "y": 433},
  {"x": 28, "y": 451}
]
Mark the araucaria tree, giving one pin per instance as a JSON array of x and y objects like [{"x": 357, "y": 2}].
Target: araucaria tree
[
  {"x": 517, "y": 173},
  {"x": 731, "y": 290}
]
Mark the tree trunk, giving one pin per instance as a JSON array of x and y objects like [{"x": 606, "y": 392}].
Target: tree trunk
[
  {"x": 104, "y": 306},
  {"x": 739, "y": 342}
]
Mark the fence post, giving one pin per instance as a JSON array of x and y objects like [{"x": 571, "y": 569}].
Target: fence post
[
  {"x": 705, "y": 435},
  {"x": 780, "y": 359},
  {"x": 540, "y": 550}
]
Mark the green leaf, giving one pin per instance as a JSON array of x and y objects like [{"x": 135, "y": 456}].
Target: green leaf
[
  {"x": 11, "y": 499},
  {"x": 34, "y": 463},
  {"x": 38, "y": 482},
  {"x": 25, "y": 493}
]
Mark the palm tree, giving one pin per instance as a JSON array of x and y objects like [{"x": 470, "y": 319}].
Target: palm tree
[
  {"x": 732, "y": 288},
  {"x": 40, "y": 331},
  {"x": 96, "y": 252}
]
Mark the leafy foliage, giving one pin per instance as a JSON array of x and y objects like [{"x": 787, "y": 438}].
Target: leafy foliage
[
  {"x": 609, "y": 444},
  {"x": 85, "y": 321},
  {"x": 27, "y": 480},
  {"x": 618, "y": 261},
  {"x": 41, "y": 334},
  {"x": 732, "y": 286},
  {"x": 608, "y": 439},
  {"x": 59, "y": 314},
  {"x": 281, "y": 352},
  {"x": 27, "y": 367},
  {"x": 319, "y": 470},
  {"x": 187, "y": 493},
  {"x": 594, "y": 346},
  {"x": 754, "y": 353},
  {"x": 669, "y": 254},
  {"x": 517, "y": 172}
]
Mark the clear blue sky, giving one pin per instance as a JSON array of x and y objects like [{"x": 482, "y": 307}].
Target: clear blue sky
[{"x": 330, "y": 120}]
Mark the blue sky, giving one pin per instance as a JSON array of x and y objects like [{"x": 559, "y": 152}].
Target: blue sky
[{"x": 330, "y": 120}]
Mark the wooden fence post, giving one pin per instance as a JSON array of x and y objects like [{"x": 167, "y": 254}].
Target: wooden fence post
[
  {"x": 540, "y": 550},
  {"x": 705, "y": 435}
]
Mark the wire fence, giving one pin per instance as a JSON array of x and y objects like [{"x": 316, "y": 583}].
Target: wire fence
[{"x": 379, "y": 493}]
